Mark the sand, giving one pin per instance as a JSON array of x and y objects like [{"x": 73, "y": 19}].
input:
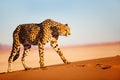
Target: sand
[
  {"x": 97, "y": 69},
  {"x": 88, "y": 62}
]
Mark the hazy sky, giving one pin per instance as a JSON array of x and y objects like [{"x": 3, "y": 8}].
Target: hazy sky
[{"x": 91, "y": 21}]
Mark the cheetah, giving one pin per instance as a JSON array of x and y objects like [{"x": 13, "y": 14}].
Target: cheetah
[{"x": 37, "y": 34}]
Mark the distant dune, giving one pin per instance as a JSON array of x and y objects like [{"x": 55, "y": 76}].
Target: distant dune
[
  {"x": 96, "y": 69},
  {"x": 4, "y": 47}
]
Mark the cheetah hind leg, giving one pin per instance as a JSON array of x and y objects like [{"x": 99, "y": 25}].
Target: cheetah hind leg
[
  {"x": 26, "y": 52},
  {"x": 16, "y": 56}
]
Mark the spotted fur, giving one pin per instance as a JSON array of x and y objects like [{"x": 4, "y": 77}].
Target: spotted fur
[{"x": 37, "y": 34}]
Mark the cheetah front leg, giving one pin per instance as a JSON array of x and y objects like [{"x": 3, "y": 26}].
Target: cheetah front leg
[
  {"x": 57, "y": 49},
  {"x": 25, "y": 53},
  {"x": 41, "y": 54}
]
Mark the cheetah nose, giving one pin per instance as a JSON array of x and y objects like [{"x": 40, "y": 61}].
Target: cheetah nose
[{"x": 68, "y": 34}]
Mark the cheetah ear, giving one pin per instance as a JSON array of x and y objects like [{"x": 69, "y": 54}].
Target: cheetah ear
[
  {"x": 55, "y": 32},
  {"x": 66, "y": 24}
]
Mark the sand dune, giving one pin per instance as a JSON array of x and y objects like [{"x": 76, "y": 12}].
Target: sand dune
[
  {"x": 85, "y": 65},
  {"x": 72, "y": 53},
  {"x": 97, "y": 69}
]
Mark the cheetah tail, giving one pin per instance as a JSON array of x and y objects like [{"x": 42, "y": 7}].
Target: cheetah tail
[{"x": 17, "y": 55}]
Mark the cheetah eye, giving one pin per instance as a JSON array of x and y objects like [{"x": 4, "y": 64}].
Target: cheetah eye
[{"x": 66, "y": 24}]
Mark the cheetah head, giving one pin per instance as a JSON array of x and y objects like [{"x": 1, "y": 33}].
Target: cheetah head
[{"x": 64, "y": 30}]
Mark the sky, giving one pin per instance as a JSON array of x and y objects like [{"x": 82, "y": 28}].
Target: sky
[{"x": 91, "y": 21}]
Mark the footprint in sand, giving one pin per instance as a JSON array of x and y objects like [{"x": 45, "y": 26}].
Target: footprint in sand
[
  {"x": 103, "y": 66},
  {"x": 44, "y": 68},
  {"x": 83, "y": 65}
]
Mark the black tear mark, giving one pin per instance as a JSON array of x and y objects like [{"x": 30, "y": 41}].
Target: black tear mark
[{"x": 55, "y": 33}]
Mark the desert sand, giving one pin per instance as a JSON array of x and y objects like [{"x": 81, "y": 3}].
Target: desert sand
[
  {"x": 88, "y": 62},
  {"x": 97, "y": 69}
]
